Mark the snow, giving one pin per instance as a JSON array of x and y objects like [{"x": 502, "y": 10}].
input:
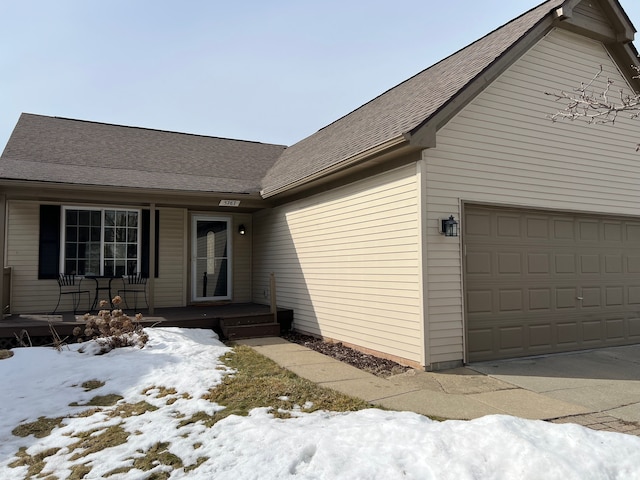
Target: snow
[{"x": 368, "y": 444}]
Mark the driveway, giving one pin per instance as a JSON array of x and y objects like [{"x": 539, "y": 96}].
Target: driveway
[{"x": 605, "y": 381}]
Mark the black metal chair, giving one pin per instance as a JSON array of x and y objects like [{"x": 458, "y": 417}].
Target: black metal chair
[
  {"x": 134, "y": 284},
  {"x": 71, "y": 285}
]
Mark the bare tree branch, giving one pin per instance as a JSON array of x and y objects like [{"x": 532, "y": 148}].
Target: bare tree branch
[{"x": 597, "y": 106}]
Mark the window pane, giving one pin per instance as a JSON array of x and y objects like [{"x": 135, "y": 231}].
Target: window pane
[
  {"x": 133, "y": 219},
  {"x": 121, "y": 220},
  {"x": 121, "y": 234},
  {"x": 71, "y": 250},
  {"x": 83, "y": 234},
  {"x": 83, "y": 217},
  {"x": 132, "y": 266},
  {"x": 95, "y": 234},
  {"x": 109, "y": 218},
  {"x": 108, "y": 250},
  {"x": 71, "y": 234},
  {"x": 132, "y": 235},
  {"x": 96, "y": 218},
  {"x": 70, "y": 267},
  {"x": 121, "y": 250},
  {"x": 109, "y": 234},
  {"x": 108, "y": 269},
  {"x": 132, "y": 250},
  {"x": 71, "y": 217},
  {"x": 120, "y": 268}
]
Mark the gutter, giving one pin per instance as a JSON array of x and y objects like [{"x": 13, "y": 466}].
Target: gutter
[{"x": 344, "y": 164}]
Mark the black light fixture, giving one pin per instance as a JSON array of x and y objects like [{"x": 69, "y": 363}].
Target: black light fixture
[
  {"x": 242, "y": 230},
  {"x": 449, "y": 227}
]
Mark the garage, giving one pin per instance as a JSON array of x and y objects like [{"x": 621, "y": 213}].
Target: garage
[{"x": 539, "y": 282}]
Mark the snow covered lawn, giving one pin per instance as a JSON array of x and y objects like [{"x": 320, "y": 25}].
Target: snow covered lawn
[{"x": 166, "y": 380}]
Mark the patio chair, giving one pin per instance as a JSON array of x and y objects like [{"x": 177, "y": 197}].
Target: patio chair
[
  {"x": 134, "y": 284},
  {"x": 71, "y": 285}
]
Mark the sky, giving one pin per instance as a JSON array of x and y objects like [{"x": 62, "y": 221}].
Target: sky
[
  {"x": 323, "y": 445},
  {"x": 272, "y": 71}
]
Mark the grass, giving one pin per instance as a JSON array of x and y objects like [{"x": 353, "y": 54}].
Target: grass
[
  {"x": 260, "y": 382},
  {"x": 257, "y": 382},
  {"x": 40, "y": 428}
]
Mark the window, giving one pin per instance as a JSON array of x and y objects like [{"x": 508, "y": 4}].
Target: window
[{"x": 100, "y": 241}]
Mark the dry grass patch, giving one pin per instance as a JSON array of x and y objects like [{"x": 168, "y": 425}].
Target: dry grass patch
[
  {"x": 40, "y": 428},
  {"x": 5, "y": 354},
  {"x": 35, "y": 463},
  {"x": 260, "y": 382},
  {"x": 125, "y": 410},
  {"x": 93, "y": 441},
  {"x": 99, "y": 401},
  {"x": 92, "y": 385}
]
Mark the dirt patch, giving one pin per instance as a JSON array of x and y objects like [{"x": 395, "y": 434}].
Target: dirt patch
[{"x": 369, "y": 363}]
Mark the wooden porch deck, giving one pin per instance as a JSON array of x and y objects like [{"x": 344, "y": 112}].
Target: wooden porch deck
[{"x": 206, "y": 316}]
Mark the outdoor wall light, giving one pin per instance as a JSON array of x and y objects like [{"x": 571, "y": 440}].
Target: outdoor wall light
[
  {"x": 242, "y": 230},
  {"x": 449, "y": 227}
]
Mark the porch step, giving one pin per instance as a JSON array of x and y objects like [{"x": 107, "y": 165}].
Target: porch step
[
  {"x": 247, "y": 319},
  {"x": 249, "y": 327}
]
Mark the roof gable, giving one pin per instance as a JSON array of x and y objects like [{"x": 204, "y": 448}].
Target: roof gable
[{"x": 402, "y": 111}]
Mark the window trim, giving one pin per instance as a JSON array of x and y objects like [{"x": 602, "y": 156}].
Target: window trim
[{"x": 101, "y": 209}]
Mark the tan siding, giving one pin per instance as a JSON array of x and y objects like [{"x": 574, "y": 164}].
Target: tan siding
[
  {"x": 503, "y": 149},
  {"x": 242, "y": 259},
  {"x": 347, "y": 262},
  {"x": 170, "y": 284},
  {"x": 22, "y": 256},
  {"x": 29, "y": 295},
  {"x": 591, "y": 12}
]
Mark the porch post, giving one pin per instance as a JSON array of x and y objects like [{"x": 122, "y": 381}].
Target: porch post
[
  {"x": 152, "y": 257},
  {"x": 4, "y": 302}
]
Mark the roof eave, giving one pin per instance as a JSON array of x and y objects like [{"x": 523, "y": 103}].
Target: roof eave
[
  {"x": 425, "y": 133},
  {"x": 346, "y": 164},
  {"x": 561, "y": 17}
]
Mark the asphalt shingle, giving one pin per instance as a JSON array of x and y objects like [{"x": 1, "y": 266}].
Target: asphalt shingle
[
  {"x": 63, "y": 150},
  {"x": 400, "y": 109}
]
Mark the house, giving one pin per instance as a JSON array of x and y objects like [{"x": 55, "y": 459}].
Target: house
[{"x": 350, "y": 219}]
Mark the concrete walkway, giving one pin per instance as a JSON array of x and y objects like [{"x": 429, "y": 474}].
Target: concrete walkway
[{"x": 576, "y": 388}]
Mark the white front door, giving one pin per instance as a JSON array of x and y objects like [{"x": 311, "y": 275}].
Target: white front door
[{"x": 210, "y": 255}]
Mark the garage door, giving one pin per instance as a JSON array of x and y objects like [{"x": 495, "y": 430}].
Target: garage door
[{"x": 540, "y": 282}]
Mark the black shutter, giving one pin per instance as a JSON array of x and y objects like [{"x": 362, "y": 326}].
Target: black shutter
[
  {"x": 49, "y": 251},
  {"x": 146, "y": 239}
]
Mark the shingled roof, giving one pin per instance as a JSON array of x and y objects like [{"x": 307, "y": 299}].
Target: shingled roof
[
  {"x": 60, "y": 150},
  {"x": 401, "y": 109}
]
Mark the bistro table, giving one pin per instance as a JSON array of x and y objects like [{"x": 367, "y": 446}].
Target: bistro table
[{"x": 100, "y": 287}]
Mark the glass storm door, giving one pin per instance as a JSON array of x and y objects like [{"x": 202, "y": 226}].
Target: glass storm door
[{"x": 210, "y": 253}]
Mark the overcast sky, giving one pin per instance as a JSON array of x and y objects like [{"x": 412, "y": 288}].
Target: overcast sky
[{"x": 273, "y": 71}]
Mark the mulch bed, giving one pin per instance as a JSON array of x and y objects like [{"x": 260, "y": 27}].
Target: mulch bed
[{"x": 369, "y": 363}]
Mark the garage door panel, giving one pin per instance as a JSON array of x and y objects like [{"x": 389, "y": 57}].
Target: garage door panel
[{"x": 539, "y": 282}]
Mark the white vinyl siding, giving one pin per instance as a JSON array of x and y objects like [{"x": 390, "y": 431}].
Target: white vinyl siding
[
  {"x": 348, "y": 263},
  {"x": 503, "y": 149}
]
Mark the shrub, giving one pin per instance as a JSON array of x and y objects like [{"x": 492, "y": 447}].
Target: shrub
[{"x": 110, "y": 329}]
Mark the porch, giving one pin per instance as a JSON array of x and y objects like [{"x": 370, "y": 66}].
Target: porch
[{"x": 229, "y": 321}]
